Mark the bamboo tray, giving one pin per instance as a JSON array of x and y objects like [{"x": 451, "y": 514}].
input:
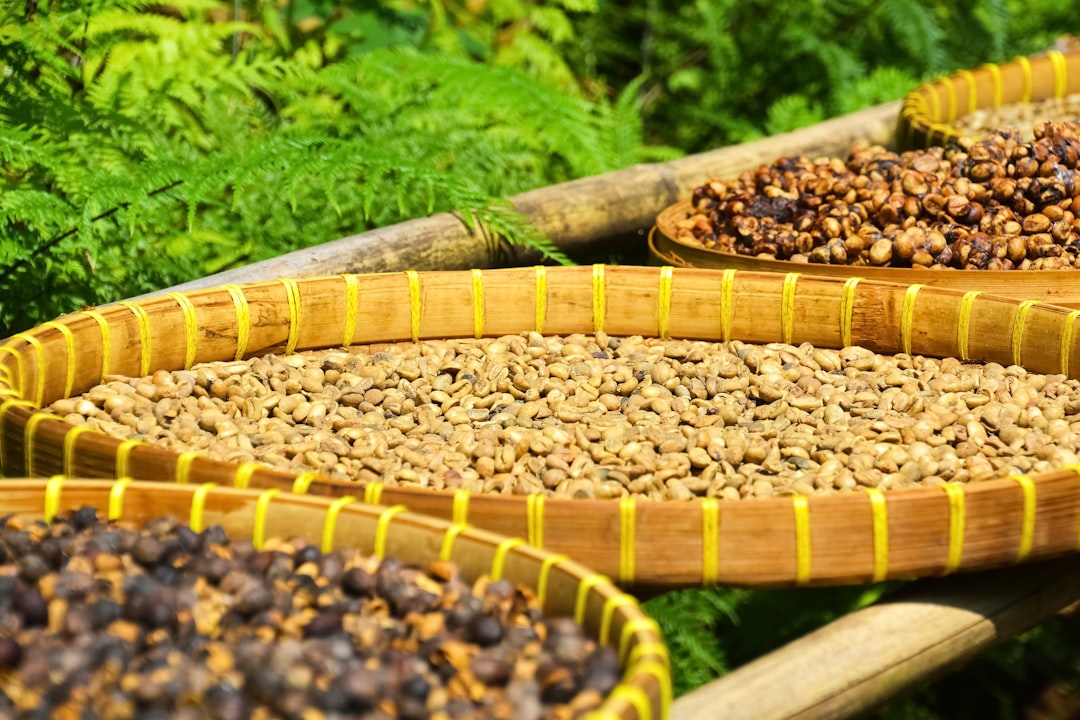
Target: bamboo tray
[
  {"x": 1061, "y": 287},
  {"x": 852, "y": 538},
  {"x": 564, "y": 587},
  {"x": 929, "y": 112}
]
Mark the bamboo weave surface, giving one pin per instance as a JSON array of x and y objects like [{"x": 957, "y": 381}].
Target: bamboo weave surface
[{"x": 856, "y": 537}]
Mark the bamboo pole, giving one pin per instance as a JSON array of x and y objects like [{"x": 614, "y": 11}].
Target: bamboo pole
[{"x": 879, "y": 653}]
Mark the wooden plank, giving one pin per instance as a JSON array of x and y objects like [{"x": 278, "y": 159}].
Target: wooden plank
[{"x": 871, "y": 656}]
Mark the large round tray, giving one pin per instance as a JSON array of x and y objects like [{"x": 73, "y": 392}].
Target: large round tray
[{"x": 847, "y": 538}]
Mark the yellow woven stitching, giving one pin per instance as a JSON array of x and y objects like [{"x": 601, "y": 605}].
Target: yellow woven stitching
[
  {"x": 534, "y": 505},
  {"x": 635, "y": 697},
  {"x": 582, "y": 600},
  {"x": 973, "y": 95},
  {"x": 303, "y": 482},
  {"x": 1025, "y": 66},
  {"x": 143, "y": 321},
  {"x": 802, "y": 539},
  {"x": 382, "y": 527},
  {"x": 123, "y": 456},
  {"x": 30, "y": 440},
  {"x": 663, "y": 679},
  {"x": 330, "y": 521},
  {"x": 710, "y": 539},
  {"x": 460, "y": 513},
  {"x": 649, "y": 648},
  {"x": 727, "y": 303},
  {"x": 847, "y": 309},
  {"x": 52, "y": 497},
  {"x": 627, "y": 539},
  {"x": 950, "y": 87},
  {"x": 243, "y": 319},
  {"x": 955, "y": 494},
  {"x": 880, "y": 520},
  {"x": 935, "y": 104},
  {"x": 907, "y": 316},
  {"x": 258, "y": 527},
  {"x": 191, "y": 328},
  {"x": 18, "y": 368},
  {"x": 663, "y": 303},
  {"x": 39, "y": 371},
  {"x": 542, "y": 578},
  {"x": 1019, "y": 318},
  {"x": 352, "y": 308},
  {"x": 448, "y": 540},
  {"x": 9, "y": 403},
  {"x": 414, "y": 304},
  {"x": 1027, "y": 524},
  {"x": 478, "y": 303},
  {"x": 1066, "y": 340},
  {"x": 373, "y": 493},
  {"x": 638, "y": 624},
  {"x": 963, "y": 326},
  {"x": 69, "y": 343},
  {"x": 182, "y": 473},
  {"x": 198, "y": 505},
  {"x": 995, "y": 76},
  {"x": 116, "y": 498},
  {"x": 541, "y": 297},
  {"x": 787, "y": 307},
  {"x": 1060, "y": 72},
  {"x": 296, "y": 313},
  {"x": 106, "y": 341},
  {"x": 242, "y": 478},
  {"x": 610, "y": 605},
  {"x": 599, "y": 297},
  {"x": 498, "y": 561},
  {"x": 69, "y": 447}
]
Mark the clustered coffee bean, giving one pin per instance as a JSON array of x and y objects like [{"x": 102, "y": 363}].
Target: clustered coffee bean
[
  {"x": 106, "y": 620},
  {"x": 997, "y": 203},
  {"x": 605, "y": 417},
  {"x": 1021, "y": 116}
]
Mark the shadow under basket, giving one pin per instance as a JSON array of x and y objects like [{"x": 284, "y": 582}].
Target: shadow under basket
[
  {"x": 563, "y": 587},
  {"x": 824, "y": 539}
]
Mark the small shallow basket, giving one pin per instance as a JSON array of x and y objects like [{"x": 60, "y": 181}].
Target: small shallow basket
[
  {"x": 563, "y": 587},
  {"x": 1061, "y": 287},
  {"x": 929, "y": 112},
  {"x": 829, "y": 539}
]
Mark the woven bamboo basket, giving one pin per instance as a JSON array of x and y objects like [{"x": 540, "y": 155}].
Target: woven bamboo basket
[
  {"x": 828, "y": 539},
  {"x": 1061, "y": 287},
  {"x": 929, "y": 112},
  {"x": 563, "y": 586}
]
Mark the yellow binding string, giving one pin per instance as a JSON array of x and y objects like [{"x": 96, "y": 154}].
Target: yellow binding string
[
  {"x": 143, "y": 321},
  {"x": 787, "y": 307},
  {"x": 638, "y": 624},
  {"x": 39, "y": 370},
  {"x": 599, "y": 297},
  {"x": 963, "y": 326},
  {"x": 627, "y": 539},
  {"x": 382, "y": 527},
  {"x": 182, "y": 472},
  {"x": 727, "y": 303},
  {"x": 258, "y": 527},
  {"x": 30, "y": 440},
  {"x": 243, "y": 319},
  {"x": 191, "y": 328},
  {"x": 710, "y": 539},
  {"x": 447, "y": 548},
  {"x": 907, "y": 316},
  {"x": 116, "y": 498},
  {"x": 582, "y": 600},
  {"x": 934, "y": 103},
  {"x": 106, "y": 340},
  {"x": 1027, "y": 524},
  {"x": 198, "y": 505},
  {"x": 303, "y": 482},
  {"x": 292, "y": 294},
  {"x": 610, "y": 605},
  {"x": 460, "y": 513},
  {"x": 541, "y": 297},
  {"x": 52, "y": 497},
  {"x": 478, "y": 303},
  {"x": 950, "y": 88},
  {"x": 1019, "y": 318},
  {"x": 242, "y": 478},
  {"x": 498, "y": 560},
  {"x": 414, "y": 304},
  {"x": 955, "y": 494},
  {"x": 663, "y": 302},
  {"x": 4, "y": 406},
  {"x": 880, "y": 521},
  {"x": 18, "y": 368},
  {"x": 1066, "y": 340},
  {"x": 534, "y": 506},
  {"x": 352, "y": 308},
  {"x": 973, "y": 93},
  {"x": 660, "y": 672},
  {"x": 69, "y": 447},
  {"x": 123, "y": 456},
  {"x": 331, "y": 521},
  {"x": 373, "y": 493},
  {"x": 69, "y": 344},
  {"x": 1025, "y": 67},
  {"x": 542, "y": 579},
  {"x": 995, "y": 75},
  {"x": 847, "y": 310},
  {"x": 802, "y": 539},
  {"x": 649, "y": 648},
  {"x": 636, "y": 698},
  {"x": 1061, "y": 73}
]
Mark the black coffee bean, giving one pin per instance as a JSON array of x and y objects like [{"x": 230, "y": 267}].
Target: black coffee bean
[
  {"x": 214, "y": 535},
  {"x": 31, "y": 605},
  {"x": 32, "y": 568},
  {"x": 416, "y": 687},
  {"x": 253, "y": 599},
  {"x": 323, "y": 625},
  {"x": 224, "y": 702},
  {"x": 358, "y": 582},
  {"x": 306, "y": 554},
  {"x": 485, "y": 630},
  {"x": 10, "y": 653},
  {"x": 83, "y": 518},
  {"x": 190, "y": 541},
  {"x": 360, "y": 687},
  {"x": 491, "y": 669},
  {"x": 148, "y": 550}
]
